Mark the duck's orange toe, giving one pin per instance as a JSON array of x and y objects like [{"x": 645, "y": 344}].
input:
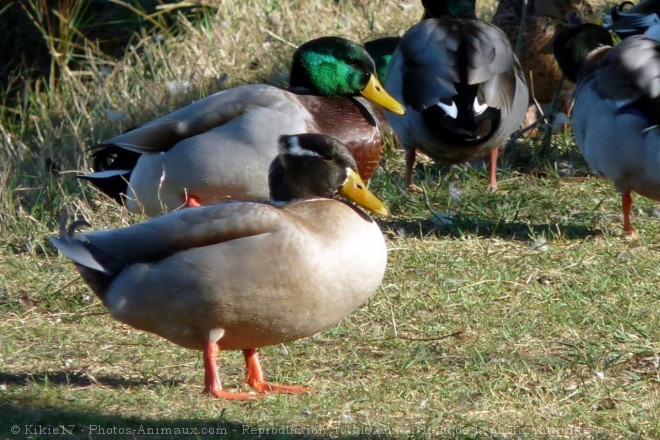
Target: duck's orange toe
[
  {"x": 255, "y": 377},
  {"x": 266, "y": 387},
  {"x": 228, "y": 395}
]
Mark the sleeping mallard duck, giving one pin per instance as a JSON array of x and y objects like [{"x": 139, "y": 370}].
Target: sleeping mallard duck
[
  {"x": 616, "y": 117},
  {"x": 461, "y": 84},
  {"x": 219, "y": 148},
  {"x": 243, "y": 275}
]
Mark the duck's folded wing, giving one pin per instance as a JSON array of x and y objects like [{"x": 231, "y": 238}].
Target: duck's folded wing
[
  {"x": 426, "y": 80},
  {"x": 439, "y": 53},
  {"x": 631, "y": 72},
  {"x": 213, "y": 111},
  {"x": 110, "y": 250},
  {"x": 492, "y": 63}
]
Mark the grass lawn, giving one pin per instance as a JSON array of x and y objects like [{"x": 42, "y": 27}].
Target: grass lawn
[{"x": 523, "y": 314}]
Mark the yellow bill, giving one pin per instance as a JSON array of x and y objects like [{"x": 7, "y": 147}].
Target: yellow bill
[
  {"x": 354, "y": 189},
  {"x": 375, "y": 92}
]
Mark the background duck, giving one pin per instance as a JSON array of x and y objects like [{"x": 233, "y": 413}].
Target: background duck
[
  {"x": 461, "y": 84},
  {"x": 219, "y": 148},
  {"x": 628, "y": 19},
  {"x": 381, "y": 51},
  {"x": 543, "y": 20},
  {"x": 616, "y": 117},
  {"x": 243, "y": 275}
]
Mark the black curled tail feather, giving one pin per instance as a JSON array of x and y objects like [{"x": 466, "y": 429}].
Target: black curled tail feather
[{"x": 97, "y": 275}]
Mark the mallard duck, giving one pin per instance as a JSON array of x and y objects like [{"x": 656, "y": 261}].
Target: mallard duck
[
  {"x": 381, "y": 50},
  {"x": 616, "y": 117},
  {"x": 219, "y": 148},
  {"x": 243, "y": 275},
  {"x": 543, "y": 19},
  {"x": 628, "y": 19},
  {"x": 461, "y": 84}
]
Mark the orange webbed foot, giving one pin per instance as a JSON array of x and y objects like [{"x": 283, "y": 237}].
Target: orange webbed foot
[
  {"x": 212, "y": 384},
  {"x": 267, "y": 387},
  {"x": 255, "y": 377},
  {"x": 228, "y": 395}
]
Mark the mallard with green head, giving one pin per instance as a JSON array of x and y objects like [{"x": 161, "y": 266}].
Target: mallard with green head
[
  {"x": 381, "y": 51},
  {"x": 616, "y": 116},
  {"x": 461, "y": 84},
  {"x": 219, "y": 148},
  {"x": 243, "y": 275}
]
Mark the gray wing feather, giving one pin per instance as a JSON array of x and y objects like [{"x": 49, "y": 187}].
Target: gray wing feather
[
  {"x": 193, "y": 119},
  {"x": 109, "y": 250},
  {"x": 631, "y": 70},
  {"x": 431, "y": 57}
]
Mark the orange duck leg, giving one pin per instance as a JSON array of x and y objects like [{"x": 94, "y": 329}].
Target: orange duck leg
[
  {"x": 255, "y": 377},
  {"x": 492, "y": 166},
  {"x": 212, "y": 384},
  {"x": 626, "y": 201}
]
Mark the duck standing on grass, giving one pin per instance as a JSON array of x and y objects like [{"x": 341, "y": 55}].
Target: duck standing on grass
[
  {"x": 243, "y": 275},
  {"x": 616, "y": 117},
  {"x": 219, "y": 148},
  {"x": 462, "y": 86}
]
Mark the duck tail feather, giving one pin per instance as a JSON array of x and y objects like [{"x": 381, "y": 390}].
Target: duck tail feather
[
  {"x": 85, "y": 256},
  {"x": 76, "y": 249}
]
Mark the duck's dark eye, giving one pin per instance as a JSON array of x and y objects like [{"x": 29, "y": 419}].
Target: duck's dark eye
[{"x": 107, "y": 162}]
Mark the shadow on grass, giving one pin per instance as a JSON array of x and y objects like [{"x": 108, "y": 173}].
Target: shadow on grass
[
  {"x": 20, "y": 422},
  {"x": 27, "y": 418},
  {"x": 461, "y": 225},
  {"x": 77, "y": 379},
  {"x": 24, "y": 422}
]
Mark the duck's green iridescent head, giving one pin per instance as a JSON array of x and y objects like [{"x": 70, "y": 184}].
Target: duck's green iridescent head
[
  {"x": 339, "y": 68},
  {"x": 573, "y": 44},
  {"x": 381, "y": 51}
]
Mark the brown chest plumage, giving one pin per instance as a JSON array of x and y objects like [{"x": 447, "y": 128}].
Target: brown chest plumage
[{"x": 349, "y": 122}]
